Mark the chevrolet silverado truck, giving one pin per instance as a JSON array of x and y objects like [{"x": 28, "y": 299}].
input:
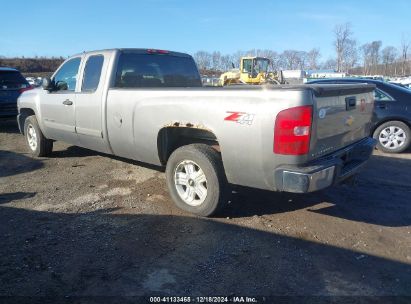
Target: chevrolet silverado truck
[{"x": 149, "y": 105}]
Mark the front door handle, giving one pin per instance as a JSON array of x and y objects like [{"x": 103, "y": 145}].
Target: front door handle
[{"x": 67, "y": 102}]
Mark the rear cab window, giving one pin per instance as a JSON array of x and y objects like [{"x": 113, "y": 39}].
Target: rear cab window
[
  {"x": 156, "y": 70},
  {"x": 12, "y": 80}
]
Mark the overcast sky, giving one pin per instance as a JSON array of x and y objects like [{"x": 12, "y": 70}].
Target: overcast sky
[{"x": 62, "y": 28}]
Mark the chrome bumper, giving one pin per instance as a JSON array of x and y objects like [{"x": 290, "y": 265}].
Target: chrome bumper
[{"x": 322, "y": 173}]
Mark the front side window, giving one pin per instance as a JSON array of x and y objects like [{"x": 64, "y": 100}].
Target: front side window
[
  {"x": 381, "y": 96},
  {"x": 66, "y": 77},
  {"x": 92, "y": 73}
]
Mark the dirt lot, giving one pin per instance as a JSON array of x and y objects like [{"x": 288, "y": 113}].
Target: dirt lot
[{"x": 83, "y": 223}]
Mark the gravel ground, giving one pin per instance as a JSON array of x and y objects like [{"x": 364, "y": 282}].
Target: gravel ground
[{"x": 80, "y": 223}]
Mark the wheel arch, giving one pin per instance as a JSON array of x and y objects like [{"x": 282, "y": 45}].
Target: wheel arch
[
  {"x": 171, "y": 138},
  {"x": 21, "y": 118}
]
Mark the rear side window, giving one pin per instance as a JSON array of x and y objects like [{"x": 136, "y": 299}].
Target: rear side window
[
  {"x": 92, "y": 73},
  {"x": 381, "y": 96},
  {"x": 136, "y": 70},
  {"x": 10, "y": 80},
  {"x": 66, "y": 77}
]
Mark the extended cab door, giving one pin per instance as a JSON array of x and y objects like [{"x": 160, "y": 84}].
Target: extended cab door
[
  {"x": 58, "y": 107},
  {"x": 90, "y": 102}
]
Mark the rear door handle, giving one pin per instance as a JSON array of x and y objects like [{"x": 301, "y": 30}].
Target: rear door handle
[{"x": 67, "y": 102}]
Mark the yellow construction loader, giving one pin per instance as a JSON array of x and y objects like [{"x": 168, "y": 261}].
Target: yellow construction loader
[{"x": 253, "y": 70}]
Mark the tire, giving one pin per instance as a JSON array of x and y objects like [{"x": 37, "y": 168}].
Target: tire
[
  {"x": 393, "y": 137},
  {"x": 38, "y": 145},
  {"x": 196, "y": 180}
]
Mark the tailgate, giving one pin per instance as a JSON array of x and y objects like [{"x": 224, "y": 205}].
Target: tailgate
[{"x": 342, "y": 116}]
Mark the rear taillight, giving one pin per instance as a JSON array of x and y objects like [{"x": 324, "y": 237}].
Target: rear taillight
[
  {"x": 292, "y": 131},
  {"x": 26, "y": 89}
]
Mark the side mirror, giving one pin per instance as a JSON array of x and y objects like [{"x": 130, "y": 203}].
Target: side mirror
[
  {"x": 232, "y": 65},
  {"x": 47, "y": 84},
  {"x": 60, "y": 86}
]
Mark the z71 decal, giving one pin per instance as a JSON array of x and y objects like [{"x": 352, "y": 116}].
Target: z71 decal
[{"x": 240, "y": 117}]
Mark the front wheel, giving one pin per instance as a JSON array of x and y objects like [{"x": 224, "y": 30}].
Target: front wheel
[
  {"x": 393, "y": 137},
  {"x": 37, "y": 143},
  {"x": 196, "y": 180}
]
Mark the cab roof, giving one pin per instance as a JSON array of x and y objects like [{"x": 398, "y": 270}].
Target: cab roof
[{"x": 137, "y": 50}]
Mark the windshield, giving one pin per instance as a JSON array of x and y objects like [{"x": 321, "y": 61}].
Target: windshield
[
  {"x": 261, "y": 65},
  {"x": 256, "y": 65},
  {"x": 137, "y": 70},
  {"x": 12, "y": 80}
]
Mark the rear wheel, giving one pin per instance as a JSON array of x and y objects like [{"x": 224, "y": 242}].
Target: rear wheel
[
  {"x": 393, "y": 137},
  {"x": 37, "y": 143},
  {"x": 196, "y": 179}
]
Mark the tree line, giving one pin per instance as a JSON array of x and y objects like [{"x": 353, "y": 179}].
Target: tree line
[
  {"x": 370, "y": 58},
  {"x": 32, "y": 65},
  {"x": 287, "y": 60}
]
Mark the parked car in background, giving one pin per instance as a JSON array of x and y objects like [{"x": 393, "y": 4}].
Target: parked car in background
[
  {"x": 30, "y": 80},
  {"x": 38, "y": 81},
  {"x": 392, "y": 113},
  {"x": 34, "y": 81},
  {"x": 12, "y": 84}
]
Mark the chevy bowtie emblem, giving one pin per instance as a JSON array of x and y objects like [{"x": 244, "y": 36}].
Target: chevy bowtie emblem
[{"x": 349, "y": 121}]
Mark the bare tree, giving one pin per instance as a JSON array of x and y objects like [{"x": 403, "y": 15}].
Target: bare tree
[
  {"x": 366, "y": 50},
  {"x": 236, "y": 57},
  {"x": 274, "y": 59},
  {"x": 272, "y": 55},
  {"x": 203, "y": 60},
  {"x": 350, "y": 55},
  {"x": 405, "y": 45},
  {"x": 292, "y": 59},
  {"x": 225, "y": 63},
  {"x": 371, "y": 56},
  {"x": 216, "y": 61},
  {"x": 329, "y": 64},
  {"x": 389, "y": 53},
  {"x": 312, "y": 59},
  {"x": 375, "y": 55},
  {"x": 344, "y": 45},
  {"x": 252, "y": 52},
  {"x": 302, "y": 60}
]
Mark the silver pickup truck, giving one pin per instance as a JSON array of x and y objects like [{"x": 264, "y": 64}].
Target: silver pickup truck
[{"x": 148, "y": 105}]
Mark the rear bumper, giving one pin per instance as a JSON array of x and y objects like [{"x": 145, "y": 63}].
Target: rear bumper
[{"x": 327, "y": 171}]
